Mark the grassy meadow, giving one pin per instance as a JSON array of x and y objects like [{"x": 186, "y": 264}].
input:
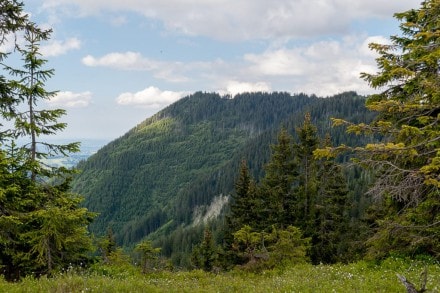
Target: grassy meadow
[{"x": 358, "y": 277}]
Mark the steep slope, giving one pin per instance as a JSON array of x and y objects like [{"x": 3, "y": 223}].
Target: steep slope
[
  {"x": 166, "y": 171},
  {"x": 133, "y": 180}
]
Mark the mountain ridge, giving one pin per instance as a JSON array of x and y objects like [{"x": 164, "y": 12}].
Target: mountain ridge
[{"x": 175, "y": 163}]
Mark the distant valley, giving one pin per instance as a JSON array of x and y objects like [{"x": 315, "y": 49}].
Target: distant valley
[{"x": 88, "y": 147}]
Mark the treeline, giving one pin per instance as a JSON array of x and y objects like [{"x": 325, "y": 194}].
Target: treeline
[
  {"x": 152, "y": 179},
  {"x": 299, "y": 208},
  {"x": 293, "y": 196},
  {"x": 316, "y": 197},
  {"x": 302, "y": 198},
  {"x": 256, "y": 152}
]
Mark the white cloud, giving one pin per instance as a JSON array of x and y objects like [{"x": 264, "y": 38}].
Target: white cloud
[
  {"x": 172, "y": 71},
  {"x": 377, "y": 8},
  {"x": 236, "y": 87},
  {"x": 125, "y": 61},
  {"x": 135, "y": 61},
  {"x": 52, "y": 48},
  {"x": 149, "y": 97},
  {"x": 71, "y": 100},
  {"x": 56, "y": 48},
  {"x": 282, "y": 45},
  {"x": 278, "y": 62},
  {"x": 247, "y": 19},
  {"x": 323, "y": 68}
]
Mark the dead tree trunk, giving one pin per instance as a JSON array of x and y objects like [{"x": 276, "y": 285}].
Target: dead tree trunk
[{"x": 410, "y": 288}]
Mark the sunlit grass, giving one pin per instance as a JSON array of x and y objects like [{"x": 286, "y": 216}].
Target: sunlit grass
[{"x": 358, "y": 277}]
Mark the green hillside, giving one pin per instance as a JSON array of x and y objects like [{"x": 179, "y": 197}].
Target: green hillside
[{"x": 166, "y": 173}]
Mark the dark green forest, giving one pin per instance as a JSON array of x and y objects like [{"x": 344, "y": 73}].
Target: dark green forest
[
  {"x": 251, "y": 182},
  {"x": 158, "y": 180}
]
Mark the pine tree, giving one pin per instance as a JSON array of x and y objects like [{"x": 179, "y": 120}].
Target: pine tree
[
  {"x": 12, "y": 21},
  {"x": 248, "y": 243},
  {"x": 407, "y": 162},
  {"x": 29, "y": 89},
  {"x": 106, "y": 245},
  {"x": 56, "y": 232},
  {"x": 331, "y": 224},
  {"x": 148, "y": 253},
  {"x": 43, "y": 226},
  {"x": 276, "y": 187},
  {"x": 269, "y": 249},
  {"x": 204, "y": 255},
  {"x": 244, "y": 207},
  {"x": 287, "y": 247},
  {"x": 306, "y": 189}
]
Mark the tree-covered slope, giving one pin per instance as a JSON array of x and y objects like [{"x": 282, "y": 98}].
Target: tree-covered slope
[{"x": 156, "y": 176}]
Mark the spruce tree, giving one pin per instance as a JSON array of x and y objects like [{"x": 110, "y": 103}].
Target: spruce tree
[
  {"x": 306, "y": 189},
  {"x": 106, "y": 245},
  {"x": 331, "y": 225},
  {"x": 407, "y": 161},
  {"x": 244, "y": 208},
  {"x": 12, "y": 21},
  {"x": 148, "y": 253},
  {"x": 276, "y": 186},
  {"x": 29, "y": 89},
  {"x": 204, "y": 255},
  {"x": 42, "y": 226}
]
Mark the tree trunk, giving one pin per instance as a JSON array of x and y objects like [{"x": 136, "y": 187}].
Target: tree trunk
[{"x": 410, "y": 288}]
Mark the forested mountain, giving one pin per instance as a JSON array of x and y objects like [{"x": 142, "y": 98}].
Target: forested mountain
[
  {"x": 177, "y": 168},
  {"x": 253, "y": 182}
]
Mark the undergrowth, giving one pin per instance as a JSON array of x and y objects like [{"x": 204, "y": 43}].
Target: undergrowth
[{"x": 358, "y": 277}]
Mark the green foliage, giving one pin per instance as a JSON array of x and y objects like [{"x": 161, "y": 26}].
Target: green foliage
[
  {"x": 305, "y": 189},
  {"x": 297, "y": 190},
  {"x": 61, "y": 230},
  {"x": 356, "y": 277},
  {"x": 42, "y": 226},
  {"x": 406, "y": 161},
  {"x": 245, "y": 206},
  {"x": 119, "y": 258},
  {"x": 249, "y": 243},
  {"x": 331, "y": 237},
  {"x": 106, "y": 245},
  {"x": 278, "y": 248},
  {"x": 276, "y": 188},
  {"x": 204, "y": 255},
  {"x": 287, "y": 247},
  {"x": 119, "y": 266},
  {"x": 148, "y": 254},
  {"x": 154, "y": 180}
]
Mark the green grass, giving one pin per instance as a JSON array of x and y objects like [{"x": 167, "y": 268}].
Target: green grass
[{"x": 358, "y": 277}]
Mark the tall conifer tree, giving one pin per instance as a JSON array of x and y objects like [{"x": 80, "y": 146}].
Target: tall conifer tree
[
  {"x": 307, "y": 185},
  {"x": 331, "y": 223},
  {"x": 244, "y": 207},
  {"x": 407, "y": 162},
  {"x": 42, "y": 226},
  {"x": 276, "y": 187}
]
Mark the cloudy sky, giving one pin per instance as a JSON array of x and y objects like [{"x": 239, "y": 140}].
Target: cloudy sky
[{"x": 117, "y": 62}]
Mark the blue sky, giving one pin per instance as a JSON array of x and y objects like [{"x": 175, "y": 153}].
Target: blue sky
[{"x": 117, "y": 62}]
